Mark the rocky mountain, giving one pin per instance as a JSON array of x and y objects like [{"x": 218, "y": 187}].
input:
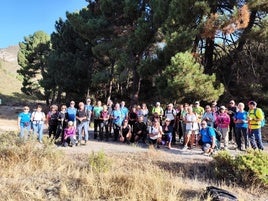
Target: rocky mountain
[
  {"x": 9, "y": 54},
  {"x": 9, "y": 79}
]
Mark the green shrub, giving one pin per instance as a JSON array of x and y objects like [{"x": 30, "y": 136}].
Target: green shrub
[
  {"x": 99, "y": 162},
  {"x": 246, "y": 169}
]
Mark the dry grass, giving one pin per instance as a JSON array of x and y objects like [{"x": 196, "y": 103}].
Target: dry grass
[{"x": 31, "y": 171}]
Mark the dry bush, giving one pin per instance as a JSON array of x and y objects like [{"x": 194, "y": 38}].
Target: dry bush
[{"x": 30, "y": 171}]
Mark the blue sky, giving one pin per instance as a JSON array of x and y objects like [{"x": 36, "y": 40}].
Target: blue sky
[{"x": 19, "y": 18}]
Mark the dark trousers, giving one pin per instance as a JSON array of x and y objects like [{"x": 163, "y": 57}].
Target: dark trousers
[
  {"x": 239, "y": 133},
  {"x": 97, "y": 127},
  {"x": 52, "y": 130},
  {"x": 116, "y": 131},
  {"x": 232, "y": 131}
]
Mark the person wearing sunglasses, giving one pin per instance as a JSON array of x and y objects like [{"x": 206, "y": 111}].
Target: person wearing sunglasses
[
  {"x": 24, "y": 122},
  {"x": 207, "y": 138}
]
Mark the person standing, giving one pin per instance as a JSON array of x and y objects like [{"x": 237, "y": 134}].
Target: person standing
[
  {"x": 71, "y": 111},
  {"x": 231, "y": 110},
  {"x": 110, "y": 109},
  {"x": 89, "y": 110},
  {"x": 124, "y": 110},
  {"x": 117, "y": 120},
  {"x": 241, "y": 126},
  {"x": 52, "y": 120},
  {"x": 144, "y": 112},
  {"x": 97, "y": 121},
  {"x": 38, "y": 118},
  {"x": 192, "y": 129},
  {"x": 208, "y": 116},
  {"x": 198, "y": 110},
  {"x": 179, "y": 122},
  {"x": 82, "y": 122},
  {"x": 159, "y": 110},
  {"x": 24, "y": 122},
  {"x": 62, "y": 123},
  {"x": 222, "y": 122},
  {"x": 104, "y": 122},
  {"x": 170, "y": 113},
  {"x": 255, "y": 117}
]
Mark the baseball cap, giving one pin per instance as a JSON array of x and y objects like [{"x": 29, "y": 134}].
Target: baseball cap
[{"x": 252, "y": 103}]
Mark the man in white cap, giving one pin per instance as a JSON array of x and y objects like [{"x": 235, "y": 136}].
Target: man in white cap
[{"x": 159, "y": 110}]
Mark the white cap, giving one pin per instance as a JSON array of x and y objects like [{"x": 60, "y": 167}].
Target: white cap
[{"x": 223, "y": 107}]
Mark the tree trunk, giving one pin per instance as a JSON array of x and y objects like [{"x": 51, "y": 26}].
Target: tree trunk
[{"x": 208, "y": 60}]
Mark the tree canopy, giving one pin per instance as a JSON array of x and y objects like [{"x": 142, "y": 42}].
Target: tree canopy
[{"x": 137, "y": 50}]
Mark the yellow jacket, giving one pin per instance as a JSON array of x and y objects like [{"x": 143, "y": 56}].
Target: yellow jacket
[{"x": 255, "y": 118}]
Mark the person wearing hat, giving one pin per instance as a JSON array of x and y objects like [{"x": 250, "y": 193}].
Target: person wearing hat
[
  {"x": 159, "y": 110},
  {"x": 198, "y": 110},
  {"x": 255, "y": 117},
  {"x": 207, "y": 137},
  {"x": 222, "y": 122},
  {"x": 168, "y": 133},
  {"x": 24, "y": 121}
]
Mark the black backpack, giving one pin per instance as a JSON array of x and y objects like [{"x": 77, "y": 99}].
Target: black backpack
[{"x": 217, "y": 194}]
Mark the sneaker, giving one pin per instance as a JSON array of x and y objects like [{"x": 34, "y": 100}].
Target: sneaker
[
  {"x": 184, "y": 148},
  {"x": 207, "y": 154}
]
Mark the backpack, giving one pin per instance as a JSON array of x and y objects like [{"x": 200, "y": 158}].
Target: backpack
[
  {"x": 218, "y": 134},
  {"x": 217, "y": 194},
  {"x": 262, "y": 121}
]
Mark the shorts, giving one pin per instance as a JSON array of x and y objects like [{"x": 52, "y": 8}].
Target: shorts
[
  {"x": 206, "y": 146},
  {"x": 189, "y": 132}
]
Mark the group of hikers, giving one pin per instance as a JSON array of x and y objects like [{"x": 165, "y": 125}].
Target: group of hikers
[{"x": 188, "y": 124}]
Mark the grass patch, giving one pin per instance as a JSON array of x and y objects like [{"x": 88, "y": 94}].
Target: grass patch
[{"x": 31, "y": 171}]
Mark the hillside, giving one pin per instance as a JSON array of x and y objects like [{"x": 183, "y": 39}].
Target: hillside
[{"x": 9, "y": 82}]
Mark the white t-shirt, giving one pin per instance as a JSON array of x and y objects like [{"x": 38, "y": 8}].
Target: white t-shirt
[
  {"x": 38, "y": 117},
  {"x": 194, "y": 125},
  {"x": 155, "y": 131},
  {"x": 170, "y": 114}
]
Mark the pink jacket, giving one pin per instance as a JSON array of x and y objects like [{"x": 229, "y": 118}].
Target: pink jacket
[
  {"x": 223, "y": 120},
  {"x": 69, "y": 132}
]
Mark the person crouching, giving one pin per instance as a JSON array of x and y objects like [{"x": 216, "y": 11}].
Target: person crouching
[
  {"x": 70, "y": 135},
  {"x": 207, "y": 138}
]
